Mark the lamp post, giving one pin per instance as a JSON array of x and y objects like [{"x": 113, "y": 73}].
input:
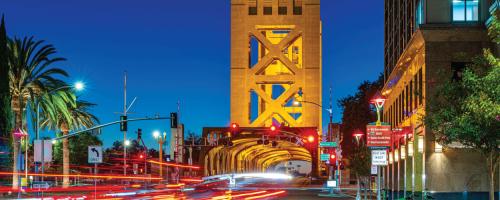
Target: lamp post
[
  {"x": 330, "y": 135},
  {"x": 160, "y": 139},
  {"x": 78, "y": 86},
  {"x": 126, "y": 143},
  {"x": 378, "y": 101}
]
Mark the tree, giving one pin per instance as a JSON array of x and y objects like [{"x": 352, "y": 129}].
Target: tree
[
  {"x": 5, "y": 98},
  {"x": 70, "y": 116},
  {"x": 467, "y": 110},
  {"x": 30, "y": 77},
  {"x": 357, "y": 113}
]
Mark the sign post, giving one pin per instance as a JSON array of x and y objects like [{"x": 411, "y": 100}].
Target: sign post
[
  {"x": 378, "y": 136},
  {"x": 95, "y": 156}
]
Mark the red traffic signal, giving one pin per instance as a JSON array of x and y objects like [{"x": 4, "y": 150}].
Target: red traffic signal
[
  {"x": 273, "y": 129},
  {"x": 234, "y": 126},
  {"x": 333, "y": 157},
  {"x": 310, "y": 139}
]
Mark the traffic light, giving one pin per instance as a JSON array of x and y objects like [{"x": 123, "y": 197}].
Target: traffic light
[
  {"x": 310, "y": 139},
  {"x": 234, "y": 126},
  {"x": 123, "y": 123},
  {"x": 139, "y": 134},
  {"x": 173, "y": 120},
  {"x": 332, "y": 158},
  {"x": 273, "y": 130}
]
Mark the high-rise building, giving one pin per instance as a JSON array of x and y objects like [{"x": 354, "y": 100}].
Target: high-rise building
[{"x": 423, "y": 37}]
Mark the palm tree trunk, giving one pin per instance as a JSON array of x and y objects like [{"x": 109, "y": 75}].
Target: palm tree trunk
[
  {"x": 16, "y": 107},
  {"x": 65, "y": 143}
]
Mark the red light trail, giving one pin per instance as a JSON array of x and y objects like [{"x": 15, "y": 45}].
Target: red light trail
[
  {"x": 174, "y": 165},
  {"x": 86, "y": 176}
]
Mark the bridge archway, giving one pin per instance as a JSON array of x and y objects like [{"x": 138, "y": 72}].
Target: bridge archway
[{"x": 245, "y": 150}]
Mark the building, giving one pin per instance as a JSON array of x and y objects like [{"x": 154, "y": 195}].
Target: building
[{"x": 423, "y": 37}]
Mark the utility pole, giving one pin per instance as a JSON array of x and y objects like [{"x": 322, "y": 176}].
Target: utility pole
[{"x": 124, "y": 131}]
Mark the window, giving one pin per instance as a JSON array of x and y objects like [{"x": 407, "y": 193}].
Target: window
[
  {"x": 411, "y": 96},
  {"x": 419, "y": 13},
  {"x": 420, "y": 87},
  {"x": 268, "y": 7},
  {"x": 282, "y": 7},
  {"x": 268, "y": 10},
  {"x": 252, "y": 7},
  {"x": 465, "y": 10},
  {"x": 297, "y": 7}
]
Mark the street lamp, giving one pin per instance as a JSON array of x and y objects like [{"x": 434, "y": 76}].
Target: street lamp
[
  {"x": 378, "y": 101},
  {"x": 160, "y": 139},
  {"x": 358, "y": 134},
  {"x": 127, "y": 143}
]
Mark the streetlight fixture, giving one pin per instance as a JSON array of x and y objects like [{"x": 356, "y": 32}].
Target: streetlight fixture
[
  {"x": 378, "y": 101},
  {"x": 161, "y": 140},
  {"x": 127, "y": 143},
  {"x": 358, "y": 134}
]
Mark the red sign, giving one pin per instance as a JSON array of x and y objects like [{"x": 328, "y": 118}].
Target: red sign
[{"x": 378, "y": 136}]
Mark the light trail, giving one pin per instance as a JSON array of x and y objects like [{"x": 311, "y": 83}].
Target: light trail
[
  {"x": 191, "y": 180},
  {"x": 174, "y": 165},
  {"x": 86, "y": 176},
  {"x": 266, "y": 195},
  {"x": 229, "y": 196}
]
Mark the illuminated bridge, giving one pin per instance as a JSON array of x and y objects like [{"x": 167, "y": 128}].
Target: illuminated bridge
[
  {"x": 275, "y": 70},
  {"x": 237, "y": 150}
]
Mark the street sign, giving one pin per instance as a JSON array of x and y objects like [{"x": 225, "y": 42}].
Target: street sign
[
  {"x": 379, "y": 157},
  {"x": 324, "y": 157},
  {"x": 374, "y": 170},
  {"x": 40, "y": 185},
  {"x": 95, "y": 154},
  {"x": 47, "y": 151},
  {"x": 331, "y": 183},
  {"x": 328, "y": 144},
  {"x": 378, "y": 136}
]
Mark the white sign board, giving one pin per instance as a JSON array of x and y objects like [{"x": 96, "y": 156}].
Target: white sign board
[
  {"x": 47, "y": 150},
  {"x": 331, "y": 183},
  {"x": 40, "y": 185},
  {"x": 379, "y": 157},
  {"x": 374, "y": 170},
  {"x": 95, "y": 154}
]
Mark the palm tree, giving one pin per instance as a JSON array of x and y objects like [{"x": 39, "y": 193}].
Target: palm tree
[
  {"x": 29, "y": 75},
  {"x": 78, "y": 116}
]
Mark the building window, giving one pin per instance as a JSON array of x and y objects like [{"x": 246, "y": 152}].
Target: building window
[
  {"x": 282, "y": 7},
  {"x": 465, "y": 10},
  {"x": 297, "y": 7},
  {"x": 411, "y": 96},
  {"x": 268, "y": 10},
  {"x": 252, "y": 7},
  {"x": 419, "y": 13},
  {"x": 420, "y": 87},
  {"x": 268, "y": 7}
]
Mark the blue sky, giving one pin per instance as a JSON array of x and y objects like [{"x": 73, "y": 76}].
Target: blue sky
[{"x": 179, "y": 51}]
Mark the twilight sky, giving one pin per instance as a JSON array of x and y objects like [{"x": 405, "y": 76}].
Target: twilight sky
[{"x": 179, "y": 51}]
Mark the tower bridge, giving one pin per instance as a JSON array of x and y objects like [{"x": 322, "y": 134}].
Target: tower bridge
[{"x": 275, "y": 63}]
